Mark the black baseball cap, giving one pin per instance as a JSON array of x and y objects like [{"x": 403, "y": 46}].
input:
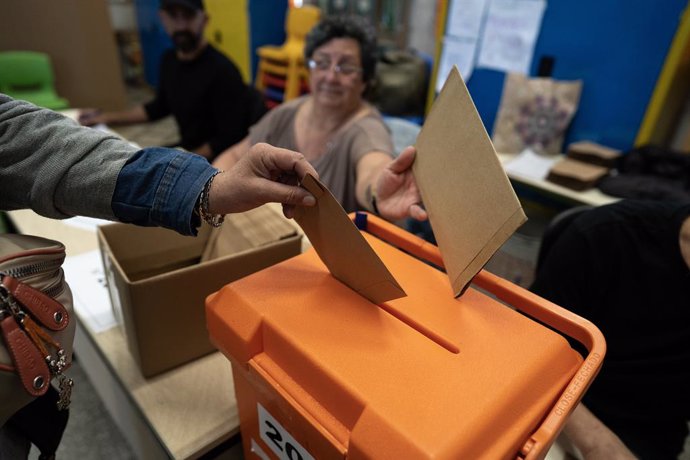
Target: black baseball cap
[{"x": 194, "y": 5}]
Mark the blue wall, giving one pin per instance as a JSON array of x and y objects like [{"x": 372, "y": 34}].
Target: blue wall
[
  {"x": 266, "y": 25},
  {"x": 154, "y": 41},
  {"x": 616, "y": 47}
]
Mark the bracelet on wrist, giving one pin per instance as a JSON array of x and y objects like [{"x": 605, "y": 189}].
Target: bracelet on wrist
[
  {"x": 372, "y": 199},
  {"x": 373, "y": 205},
  {"x": 214, "y": 220}
]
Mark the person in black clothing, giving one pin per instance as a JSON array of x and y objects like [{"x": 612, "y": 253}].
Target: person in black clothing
[
  {"x": 626, "y": 268},
  {"x": 198, "y": 85}
]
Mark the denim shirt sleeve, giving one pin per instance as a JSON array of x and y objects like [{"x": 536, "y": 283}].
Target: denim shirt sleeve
[{"x": 160, "y": 187}]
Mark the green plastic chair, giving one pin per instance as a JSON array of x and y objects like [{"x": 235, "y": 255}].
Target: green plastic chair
[{"x": 28, "y": 75}]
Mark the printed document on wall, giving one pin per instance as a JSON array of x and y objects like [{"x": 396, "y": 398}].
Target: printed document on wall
[
  {"x": 465, "y": 18},
  {"x": 465, "y": 21},
  {"x": 458, "y": 51},
  {"x": 510, "y": 33}
]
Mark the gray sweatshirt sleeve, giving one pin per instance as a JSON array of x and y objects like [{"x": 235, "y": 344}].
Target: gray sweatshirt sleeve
[{"x": 54, "y": 166}]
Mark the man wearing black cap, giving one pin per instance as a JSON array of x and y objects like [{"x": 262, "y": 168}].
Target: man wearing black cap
[{"x": 198, "y": 85}]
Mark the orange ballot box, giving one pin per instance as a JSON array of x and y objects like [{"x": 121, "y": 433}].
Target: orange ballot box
[{"x": 321, "y": 372}]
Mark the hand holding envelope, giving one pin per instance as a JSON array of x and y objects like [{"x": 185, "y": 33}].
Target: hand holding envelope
[
  {"x": 342, "y": 248},
  {"x": 397, "y": 194},
  {"x": 472, "y": 207}
]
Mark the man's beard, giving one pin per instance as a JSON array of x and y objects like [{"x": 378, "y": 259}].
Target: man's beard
[{"x": 185, "y": 41}]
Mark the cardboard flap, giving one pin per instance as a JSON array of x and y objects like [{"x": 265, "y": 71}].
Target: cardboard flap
[
  {"x": 342, "y": 248},
  {"x": 247, "y": 230},
  {"x": 472, "y": 206}
]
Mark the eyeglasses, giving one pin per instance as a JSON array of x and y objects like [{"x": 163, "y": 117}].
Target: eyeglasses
[{"x": 325, "y": 64}]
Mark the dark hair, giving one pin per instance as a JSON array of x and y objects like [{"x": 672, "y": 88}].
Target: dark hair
[
  {"x": 353, "y": 27},
  {"x": 192, "y": 5}
]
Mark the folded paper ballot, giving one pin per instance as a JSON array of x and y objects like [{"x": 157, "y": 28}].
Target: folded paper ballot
[
  {"x": 342, "y": 248},
  {"x": 472, "y": 207}
]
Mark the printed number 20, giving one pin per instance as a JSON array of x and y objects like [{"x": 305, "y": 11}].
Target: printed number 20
[{"x": 274, "y": 435}]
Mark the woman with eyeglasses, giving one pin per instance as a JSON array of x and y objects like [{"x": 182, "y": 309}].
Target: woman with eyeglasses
[{"x": 337, "y": 131}]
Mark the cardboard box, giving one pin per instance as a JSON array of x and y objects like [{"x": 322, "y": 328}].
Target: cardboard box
[{"x": 158, "y": 285}]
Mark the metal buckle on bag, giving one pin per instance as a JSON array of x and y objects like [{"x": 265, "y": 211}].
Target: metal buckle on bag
[{"x": 65, "y": 384}]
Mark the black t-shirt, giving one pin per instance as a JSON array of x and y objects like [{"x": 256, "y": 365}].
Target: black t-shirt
[
  {"x": 620, "y": 266},
  {"x": 207, "y": 97}
]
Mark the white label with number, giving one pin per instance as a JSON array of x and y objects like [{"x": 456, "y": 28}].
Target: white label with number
[{"x": 278, "y": 439}]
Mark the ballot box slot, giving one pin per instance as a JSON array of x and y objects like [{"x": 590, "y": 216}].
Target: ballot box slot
[{"x": 424, "y": 330}]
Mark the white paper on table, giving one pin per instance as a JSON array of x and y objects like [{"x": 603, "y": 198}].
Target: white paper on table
[
  {"x": 510, "y": 34},
  {"x": 103, "y": 128},
  {"x": 72, "y": 114},
  {"x": 531, "y": 165},
  {"x": 84, "y": 274},
  {"x": 86, "y": 223},
  {"x": 459, "y": 51}
]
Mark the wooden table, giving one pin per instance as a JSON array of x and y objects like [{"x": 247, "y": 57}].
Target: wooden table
[{"x": 592, "y": 197}]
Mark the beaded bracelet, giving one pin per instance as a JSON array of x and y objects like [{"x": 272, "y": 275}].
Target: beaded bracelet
[
  {"x": 214, "y": 220},
  {"x": 372, "y": 199}
]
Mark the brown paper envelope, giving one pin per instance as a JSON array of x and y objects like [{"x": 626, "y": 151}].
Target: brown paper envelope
[
  {"x": 472, "y": 206},
  {"x": 342, "y": 248}
]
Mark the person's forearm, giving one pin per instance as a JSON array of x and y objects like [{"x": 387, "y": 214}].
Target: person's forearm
[
  {"x": 593, "y": 439},
  {"x": 204, "y": 150},
  {"x": 54, "y": 167},
  {"x": 396, "y": 191},
  {"x": 160, "y": 187},
  {"x": 163, "y": 187},
  {"x": 685, "y": 241},
  {"x": 368, "y": 171},
  {"x": 366, "y": 192},
  {"x": 134, "y": 115},
  {"x": 227, "y": 159}
]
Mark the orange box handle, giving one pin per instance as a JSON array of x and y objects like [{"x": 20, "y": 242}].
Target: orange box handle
[{"x": 524, "y": 301}]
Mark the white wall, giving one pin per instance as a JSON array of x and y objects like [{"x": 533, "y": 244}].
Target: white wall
[
  {"x": 122, "y": 15},
  {"x": 422, "y": 22}
]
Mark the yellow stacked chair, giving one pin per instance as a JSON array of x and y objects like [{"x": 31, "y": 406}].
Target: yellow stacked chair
[{"x": 283, "y": 66}]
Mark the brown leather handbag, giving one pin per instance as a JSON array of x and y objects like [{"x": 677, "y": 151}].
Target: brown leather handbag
[{"x": 36, "y": 322}]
